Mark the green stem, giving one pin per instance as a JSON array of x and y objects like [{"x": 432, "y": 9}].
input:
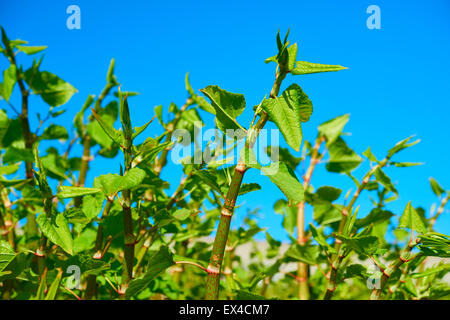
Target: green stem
[
  {"x": 405, "y": 256},
  {"x": 129, "y": 238},
  {"x": 332, "y": 275},
  {"x": 220, "y": 240},
  {"x": 439, "y": 211},
  {"x": 84, "y": 166},
  {"x": 348, "y": 209},
  {"x": 91, "y": 287},
  {"x": 31, "y": 225},
  {"x": 302, "y": 268}
]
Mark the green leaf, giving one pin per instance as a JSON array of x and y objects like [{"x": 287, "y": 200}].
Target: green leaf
[
  {"x": 284, "y": 178},
  {"x": 72, "y": 192},
  {"x": 325, "y": 213},
  {"x": 384, "y": 180},
  {"x": 436, "y": 187},
  {"x": 307, "y": 253},
  {"x": 209, "y": 179},
  {"x": 405, "y": 164},
  {"x": 249, "y": 187},
  {"x": 329, "y": 193},
  {"x": 113, "y": 183},
  {"x": 13, "y": 155},
  {"x": 342, "y": 158},
  {"x": 52, "y": 89},
  {"x": 288, "y": 112},
  {"x": 304, "y": 67},
  {"x": 375, "y": 216},
  {"x": 57, "y": 231},
  {"x": 285, "y": 156},
  {"x": 55, "y": 132},
  {"x": 410, "y": 219},
  {"x": 9, "y": 80},
  {"x": 320, "y": 239},
  {"x": 114, "y": 134},
  {"x": 5, "y": 170},
  {"x": 435, "y": 244},
  {"x": 228, "y": 106},
  {"x": 139, "y": 130},
  {"x": 200, "y": 101},
  {"x": 332, "y": 129},
  {"x": 7, "y": 254},
  {"x": 31, "y": 49},
  {"x": 289, "y": 213},
  {"x": 367, "y": 245},
  {"x": 76, "y": 215},
  {"x": 401, "y": 145},
  {"x": 53, "y": 289},
  {"x": 292, "y": 56},
  {"x": 369, "y": 155},
  {"x": 78, "y": 119},
  {"x": 182, "y": 214},
  {"x": 158, "y": 263},
  {"x": 110, "y": 77},
  {"x": 92, "y": 205},
  {"x": 149, "y": 150}
]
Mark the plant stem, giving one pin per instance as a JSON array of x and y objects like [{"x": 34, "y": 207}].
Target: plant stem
[
  {"x": 129, "y": 238},
  {"x": 86, "y": 158},
  {"x": 216, "y": 259},
  {"x": 91, "y": 287},
  {"x": 405, "y": 256},
  {"x": 302, "y": 268},
  {"x": 84, "y": 166},
  {"x": 31, "y": 224},
  {"x": 332, "y": 276},
  {"x": 348, "y": 209},
  {"x": 439, "y": 211}
]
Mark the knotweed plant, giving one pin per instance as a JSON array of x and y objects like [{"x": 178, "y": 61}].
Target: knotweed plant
[{"x": 126, "y": 235}]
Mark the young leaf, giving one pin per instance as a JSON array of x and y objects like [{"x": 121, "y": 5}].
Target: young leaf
[
  {"x": 113, "y": 183},
  {"x": 367, "y": 245},
  {"x": 384, "y": 180},
  {"x": 7, "y": 254},
  {"x": 55, "y": 132},
  {"x": 369, "y": 155},
  {"x": 114, "y": 134},
  {"x": 304, "y": 67},
  {"x": 285, "y": 179},
  {"x": 436, "y": 187},
  {"x": 200, "y": 101},
  {"x": 72, "y": 192},
  {"x": 307, "y": 253},
  {"x": 332, "y": 129},
  {"x": 9, "y": 80},
  {"x": 57, "y": 231},
  {"x": 31, "y": 49},
  {"x": 288, "y": 112},
  {"x": 401, "y": 145},
  {"x": 228, "y": 107},
  {"x": 328, "y": 193},
  {"x": 158, "y": 263},
  {"x": 53, "y": 289},
  {"x": 342, "y": 158},
  {"x": 52, "y": 89},
  {"x": 410, "y": 219}
]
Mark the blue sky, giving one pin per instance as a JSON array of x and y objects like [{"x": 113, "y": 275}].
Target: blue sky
[{"x": 397, "y": 83}]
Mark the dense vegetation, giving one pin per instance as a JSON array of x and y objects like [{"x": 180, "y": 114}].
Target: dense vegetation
[{"x": 126, "y": 237}]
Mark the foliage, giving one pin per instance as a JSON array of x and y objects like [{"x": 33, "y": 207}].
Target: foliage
[{"x": 132, "y": 239}]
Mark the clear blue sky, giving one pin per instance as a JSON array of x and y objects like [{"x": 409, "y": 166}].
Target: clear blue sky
[{"x": 397, "y": 83}]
